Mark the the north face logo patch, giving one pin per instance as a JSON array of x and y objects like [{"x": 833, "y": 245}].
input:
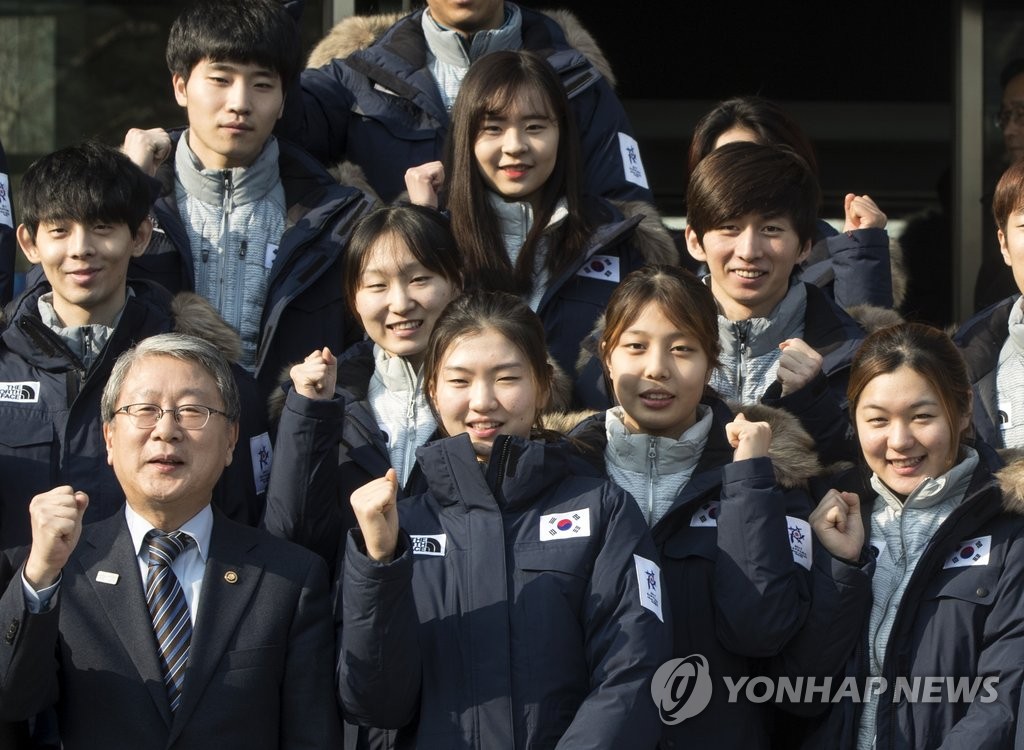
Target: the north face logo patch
[{"x": 26, "y": 392}]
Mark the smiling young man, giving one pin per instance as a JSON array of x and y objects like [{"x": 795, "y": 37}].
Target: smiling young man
[
  {"x": 250, "y": 222},
  {"x": 84, "y": 212},
  {"x": 992, "y": 341},
  {"x": 751, "y": 213}
]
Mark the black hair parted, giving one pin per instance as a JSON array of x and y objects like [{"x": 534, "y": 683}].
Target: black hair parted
[
  {"x": 259, "y": 32},
  {"x": 84, "y": 183}
]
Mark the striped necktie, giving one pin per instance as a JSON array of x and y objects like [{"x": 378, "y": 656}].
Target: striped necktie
[{"x": 168, "y": 608}]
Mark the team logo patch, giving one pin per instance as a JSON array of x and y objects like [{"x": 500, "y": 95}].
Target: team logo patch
[
  {"x": 971, "y": 552},
  {"x": 799, "y": 540},
  {"x": 648, "y": 578},
  {"x": 433, "y": 545},
  {"x": 26, "y": 392},
  {"x": 6, "y": 217},
  {"x": 706, "y": 515},
  {"x": 262, "y": 453},
  {"x": 601, "y": 267},
  {"x": 270, "y": 255},
  {"x": 634, "y": 168},
  {"x": 565, "y": 525}
]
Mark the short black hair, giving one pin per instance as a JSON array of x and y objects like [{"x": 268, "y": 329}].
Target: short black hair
[
  {"x": 744, "y": 177},
  {"x": 84, "y": 183},
  {"x": 260, "y": 32}
]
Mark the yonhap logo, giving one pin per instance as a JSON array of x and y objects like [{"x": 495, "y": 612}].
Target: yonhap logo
[{"x": 681, "y": 688}]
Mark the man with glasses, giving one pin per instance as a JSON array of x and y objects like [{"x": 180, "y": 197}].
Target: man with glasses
[
  {"x": 84, "y": 213},
  {"x": 995, "y": 282},
  {"x": 174, "y": 626}
]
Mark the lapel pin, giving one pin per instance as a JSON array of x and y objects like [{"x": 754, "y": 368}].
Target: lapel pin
[
  {"x": 231, "y": 576},
  {"x": 104, "y": 576}
]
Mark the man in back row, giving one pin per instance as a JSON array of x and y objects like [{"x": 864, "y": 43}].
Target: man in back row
[{"x": 250, "y": 222}]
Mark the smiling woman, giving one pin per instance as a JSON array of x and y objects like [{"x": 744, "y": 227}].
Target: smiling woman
[{"x": 947, "y": 548}]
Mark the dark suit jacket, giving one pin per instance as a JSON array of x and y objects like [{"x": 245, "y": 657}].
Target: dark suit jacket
[{"x": 260, "y": 668}]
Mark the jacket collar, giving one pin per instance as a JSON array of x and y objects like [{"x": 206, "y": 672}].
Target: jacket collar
[
  {"x": 238, "y": 185},
  {"x": 452, "y": 48}
]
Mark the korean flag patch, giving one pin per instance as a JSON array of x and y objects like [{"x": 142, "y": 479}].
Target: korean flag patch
[
  {"x": 799, "y": 532},
  {"x": 971, "y": 552},
  {"x": 706, "y": 515},
  {"x": 648, "y": 578},
  {"x": 601, "y": 267},
  {"x": 565, "y": 525}
]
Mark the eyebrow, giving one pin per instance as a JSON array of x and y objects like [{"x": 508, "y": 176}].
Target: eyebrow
[
  {"x": 915, "y": 405},
  {"x": 227, "y": 65},
  {"x": 501, "y": 366}
]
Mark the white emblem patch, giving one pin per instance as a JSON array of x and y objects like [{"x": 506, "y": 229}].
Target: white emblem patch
[
  {"x": 262, "y": 457},
  {"x": 6, "y": 217},
  {"x": 707, "y": 514},
  {"x": 26, "y": 392},
  {"x": 602, "y": 268},
  {"x": 648, "y": 578},
  {"x": 270, "y": 255},
  {"x": 434, "y": 545},
  {"x": 565, "y": 525},
  {"x": 634, "y": 168},
  {"x": 971, "y": 552},
  {"x": 799, "y": 532}
]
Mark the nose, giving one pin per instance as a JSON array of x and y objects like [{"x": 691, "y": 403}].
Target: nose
[
  {"x": 239, "y": 97},
  {"x": 398, "y": 298},
  {"x": 748, "y": 244},
  {"x": 900, "y": 437},
  {"x": 79, "y": 243},
  {"x": 655, "y": 365},
  {"x": 481, "y": 397},
  {"x": 513, "y": 142},
  {"x": 166, "y": 427}
]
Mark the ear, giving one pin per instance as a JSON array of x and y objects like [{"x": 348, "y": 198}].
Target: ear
[
  {"x": 108, "y": 429},
  {"x": 27, "y": 244},
  {"x": 804, "y": 252},
  {"x": 1003, "y": 248},
  {"x": 142, "y": 236},
  {"x": 178, "y": 82},
  {"x": 694, "y": 246},
  {"x": 232, "y": 441}
]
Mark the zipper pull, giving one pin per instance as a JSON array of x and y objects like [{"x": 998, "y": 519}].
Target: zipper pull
[{"x": 243, "y": 249}]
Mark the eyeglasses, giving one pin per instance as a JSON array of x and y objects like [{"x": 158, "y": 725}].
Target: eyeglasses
[
  {"x": 188, "y": 416},
  {"x": 1014, "y": 113}
]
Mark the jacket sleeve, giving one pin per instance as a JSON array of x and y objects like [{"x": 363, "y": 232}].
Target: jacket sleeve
[
  {"x": 990, "y": 723},
  {"x": 822, "y": 412},
  {"x": 762, "y": 591},
  {"x": 309, "y": 716},
  {"x": 242, "y": 491},
  {"x": 28, "y": 654},
  {"x": 302, "y": 506},
  {"x": 379, "y": 662},
  {"x": 856, "y": 266},
  {"x": 840, "y": 606},
  {"x": 625, "y": 640},
  {"x": 611, "y": 157},
  {"x": 317, "y": 111}
]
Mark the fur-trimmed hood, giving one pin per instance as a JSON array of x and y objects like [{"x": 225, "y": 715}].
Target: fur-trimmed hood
[
  {"x": 792, "y": 450},
  {"x": 359, "y": 32},
  {"x": 651, "y": 238},
  {"x": 1011, "y": 480},
  {"x": 195, "y": 316}
]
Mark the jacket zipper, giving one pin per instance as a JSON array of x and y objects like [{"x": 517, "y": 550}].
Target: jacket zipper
[
  {"x": 742, "y": 329},
  {"x": 652, "y": 469}
]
